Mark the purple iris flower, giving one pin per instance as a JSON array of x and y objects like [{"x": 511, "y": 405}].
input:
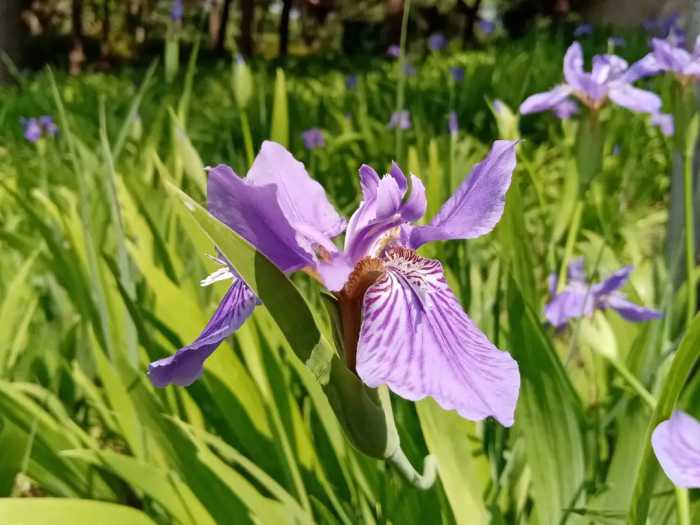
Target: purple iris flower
[
  {"x": 437, "y": 42},
  {"x": 394, "y": 51},
  {"x": 664, "y": 122},
  {"x": 452, "y": 123},
  {"x": 610, "y": 78},
  {"x": 177, "y": 10},
  {"x": 676, "y": 443},
  {"x": 38, "y": 127},
  {"x": 313, "y": 138},
  {"x": 402, "y": 325},
  {"x": 581, "y": 298},
  {"x": 565, "y": 109},
  {"x": 400, "y": 120},
  {"x": 351, "y": 81},
  {"x": 486, "y": 26},
  {"x": 582, "y": 30},
  {"x": 457, "y": 73},
  {"x": 666, "y": 56}
]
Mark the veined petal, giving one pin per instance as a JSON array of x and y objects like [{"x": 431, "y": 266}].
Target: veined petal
[
  {"x": 301, "y": 198},
  {"x": 630, "y": 311},
  {"x": 477, "y": 205},
  {"x": 676, "y": 443},
  {"x": 633, "y": 98},
  {"x": 545, "y": 101},
  {"x": 185, "y": 366},
  {"x": 255, "y": 214},
  {"x": 416, "y": 339}
]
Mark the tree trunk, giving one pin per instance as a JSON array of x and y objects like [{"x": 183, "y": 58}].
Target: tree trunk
[
  {"x": 284, "y": 28},
  {"x": 76, "y": 56},
  {"x": 393, "y": 13},
  {"x": 221, "y": 35},
  {"x": 12, "y": 33},
  {"x": 247, "y": 18}
]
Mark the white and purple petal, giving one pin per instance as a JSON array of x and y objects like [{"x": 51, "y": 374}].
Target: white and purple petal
[
  {"x": 416, "y": 339},
  {"x": 477, "y": 205},
  {"x": 676, "y": 443},
  {"x": 575, "y": 301},
  {"x": 633, "y": 98},
  {"x": 546, "y": 100},
  {"x": 614, "y": 282},
  {"x": 629, "y": 310},
  {"x": 185, "y": 366}
]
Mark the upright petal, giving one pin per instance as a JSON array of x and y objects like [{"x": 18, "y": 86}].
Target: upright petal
[
  {"x": 185, "y": 366},
  {"x": 634, "y": 98},
  {"x": 255, "y": 214},
  {"x": 575, "y": 301},
  {"x": 577, "y": 270},
  {"x": 612, "y": 283},
  {"x": 477, "y": 205},
  {"x": 670, "y": 57},
  {"x": 573, "y": 66},
  {"x": 545, "y": 101},
  {"x": 676, "y": 443},
  {"x": 301, "y": 198},
  {"x": 607, "y": 67},
  {"x": 416, "y": 339},
  {"x": 644, "y": 67},
  {"x": 630, "y": 311}
]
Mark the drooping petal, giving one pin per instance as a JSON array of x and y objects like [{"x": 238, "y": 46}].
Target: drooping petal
[
  {"x": 644, "y": 67},
  {"x": 545, "y": 101},
  {"x": 612, "y": 283},
  {"x": 676, "y": 443},
  {"x": 185, "y": 366},
  {"x": 477, "y": 205},
  {"x": 573, "y": 302},
  {"x": 416, "y": 339},
  {"x": 255, "y": 214},
  {"x": 664, "y": 121},
  {"x": 630, "y": 311},
  {"x": 301, "y": 198},
  {"x": 634, "y": 98}
]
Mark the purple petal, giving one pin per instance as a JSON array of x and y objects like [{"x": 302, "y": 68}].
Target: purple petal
[
  {"x": 416, "y": 339},
  {"x": 32, "y": 130},
  {"x": 545, "y": 101},
  {"x": 613, "y": 282},
  {"x": 565, "y": 109},
  {"x": 577, "y": 300},
  {"x": 670, "y": 57},
  {"x": 630, "y": 311},
  {"x": 664, "y": 122},
  {"x": 573, "y": 67},
  {"x": 185, "y": 366},
  {"x": 607, "y": 67},
  {"x": 645, "y": 67},
  {"x": 302, "y": 199},
  {"x": 676, "y": 443},
  {"x": 477, "y": 205},
  {"x": 255, "y": 214},
  {"x": 576, "y": 270},
  {"x": 634, "y": 98}
]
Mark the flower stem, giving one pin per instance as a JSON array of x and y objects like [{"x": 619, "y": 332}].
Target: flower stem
[
  {"x": 682, "y": 506},
  {"x": 689, "y": 219},
  {"x": 570, "y": 242}
]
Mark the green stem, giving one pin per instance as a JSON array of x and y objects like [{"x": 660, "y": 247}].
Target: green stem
[
  {"x": 247, "y": 137},
  {"x": 633, "y": 382},
  {"x": 401, "y": 84},
  {"x": 569, "y": 247},
  {"x": 682, "y": 506},
  {"x": 689, "y": 221}
]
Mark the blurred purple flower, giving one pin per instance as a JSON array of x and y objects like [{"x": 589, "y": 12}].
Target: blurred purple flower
[
  {"x": 409, "y": 70},
  {"x": 565, "y": 109},
  {"x": 411, "y": 332},
  {"x": 48, "y": 124},
  {"x": 581, "y": 298},
  {"x": 177, "y": 10},
  {"x": 616, "y": 150},
  {"x": 35, "y": 128},
  {"x": 676, "y": 444},
  {"x": 610, "y": 79},
  {"x": 583, "y": 29},
  {"x": 351, "y": 81},
  {"x": 452, "y": 123},
  {"x": 457, "y": 73},
  {"x": 664, "y": 122},
  {"x": 400, "y": 120},
  {"x": 437, "y": 42},
  {"x": 486, "y": 26},
  {"x": 394, "y": 51},
  {"x": 313, "y": 138},
  {"x": 671, "y": 58},
  {"x": 669, "y": 28}
]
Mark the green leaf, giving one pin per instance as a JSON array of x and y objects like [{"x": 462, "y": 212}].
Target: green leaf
[
  {"x": 280, "y": 115},
  {"x": 59, "y": 511}
]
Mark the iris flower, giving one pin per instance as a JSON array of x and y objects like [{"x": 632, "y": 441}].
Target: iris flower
[
  {"x": 393, "y": 51},
  {"x": 581, "y": 298},
  {"x": 313, "y": 138},
  {"x": 177, "y": 10},
  {"x": 400, "y": 120},
  {"x": 457, "y": 73},
  {"x": 486, "y": 26},
  {"x": 437, "y": 42},
  {"x": 402, "y": 325},
  {"x": 37, "y": 127},
  {"x": 668, "y": 57},
  {"x": 676, "y": 443},
  {"x": 610, "y": 78},
  {"x": 583, "y": 30}
]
